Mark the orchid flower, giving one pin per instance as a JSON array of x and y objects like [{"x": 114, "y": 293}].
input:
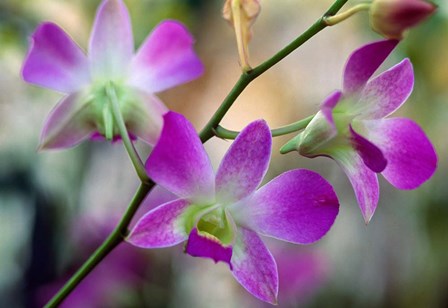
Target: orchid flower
[
  {"x": 54, "y": 61},
  {"x": 219, "y": 216},
  {"x": 351, "y": 127}
]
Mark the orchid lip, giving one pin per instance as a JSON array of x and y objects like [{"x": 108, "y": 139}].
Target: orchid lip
[
  {"x": 206, "y": 245},
  {"x": 213, "y": 235}
]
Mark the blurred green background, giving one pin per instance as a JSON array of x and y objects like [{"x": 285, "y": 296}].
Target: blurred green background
[{"x": 56, "y": 207}]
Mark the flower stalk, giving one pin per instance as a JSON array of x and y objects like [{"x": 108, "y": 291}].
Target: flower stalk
[
  {"x": 112, "y": 241},
  {"x": 224, "y": 133},
  {"x": 118, "y": 117},
  {"x": 334, "y": 20}
]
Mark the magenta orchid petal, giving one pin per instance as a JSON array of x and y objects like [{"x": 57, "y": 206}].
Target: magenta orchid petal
[
  {"x": 161, "y": 227},
  {"x": 179, "y": 161},
  {"x": 149, "y": 111},
  {"x": 328, "y": 105},
  {"x": 205, "y": 245},
  {"x": 363, "y": 63},
  {"x": 411, "y": 157},
  {"x": 54, "y": 61},
  {"x": 364, "y": 181},
  {"x": 166, "y": 59},
  {"x": 111, "y": 43},
  {"x": 245, "y": 163},
  {"x": 387, "y": 92},
  {"x": 254, "y": 267},
  {"x": 156, "y": 197},
  {"x": 298, "y": 206},
  {"x": 67, "y": 123},
  {"x": 370, "y": 153}
]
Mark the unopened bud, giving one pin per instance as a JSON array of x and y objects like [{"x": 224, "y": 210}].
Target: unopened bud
[
  {"x": 316, "y": 136},
  {"x": 391, "y": 18}
]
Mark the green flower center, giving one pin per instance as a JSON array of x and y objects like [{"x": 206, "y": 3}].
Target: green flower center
[
  {"x": 101, "y": 112},
  {"x": 101, "y": 109},
  {"x": 213, "y": 221}
]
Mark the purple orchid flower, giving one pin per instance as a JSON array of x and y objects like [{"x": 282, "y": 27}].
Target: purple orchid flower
[
  {"x": 352, "y": 129},
  {"x": 165, "y": 59},
  {"x": 219, "y": 216}
]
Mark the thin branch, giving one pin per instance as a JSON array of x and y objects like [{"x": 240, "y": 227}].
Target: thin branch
[
  {"x": 247, "y": 77},
  {"x": 132, "y": 152},
  {"x": 224, "y": 133},
  {"x": 115, "y": 238}
]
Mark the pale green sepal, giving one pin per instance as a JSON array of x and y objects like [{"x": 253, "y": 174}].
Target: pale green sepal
[
  {"x": 317, "y": 136},
  {"x": 291, "y": 145},
  {"x": 108, "y": 122}
]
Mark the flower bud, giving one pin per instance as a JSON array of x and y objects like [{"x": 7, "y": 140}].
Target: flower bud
[
  {"x": 391, "y": 18},
  {"x": 318, "y": 133}
]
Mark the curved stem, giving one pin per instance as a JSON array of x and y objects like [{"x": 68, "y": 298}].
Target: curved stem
[
  {"x": 224, "y": 133},
  {"x": 333, "y": 20},
  {"x": 132, "y": 152},
  {"x": 115, "y": 238},
  {"x": 247, "y": 77},
  {"x": 208, "y": 131}
]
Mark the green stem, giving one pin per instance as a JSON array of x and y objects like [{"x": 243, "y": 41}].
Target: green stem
[
  {"x": 115, "y": 238},
  {"x": 333, "y": 20},
  {"x": 132, "y": 152},
  {"x": 247, "y": 77},
  {"x": 224, "y": 133}
]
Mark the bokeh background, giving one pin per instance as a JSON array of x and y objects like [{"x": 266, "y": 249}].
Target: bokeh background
[{"x": 56, "y": 207}]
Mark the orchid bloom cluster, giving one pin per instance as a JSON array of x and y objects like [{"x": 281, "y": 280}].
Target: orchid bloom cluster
[{"x": 222, "y": 215}]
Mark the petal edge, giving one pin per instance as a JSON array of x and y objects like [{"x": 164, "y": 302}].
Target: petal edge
[
  {"x": 160, "y": 227},
  {"x": 245, "y": 163},
  {"x": 298, "y": 206},
  {"x": 254, "y": 267},
  {"x": 179, "y": 162},
  {"x": 55, "y": 61},
  {"x": 166, "y": 59},
  {"x": 363, "y": 63},
  {"x": 412, "y": 159}
]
